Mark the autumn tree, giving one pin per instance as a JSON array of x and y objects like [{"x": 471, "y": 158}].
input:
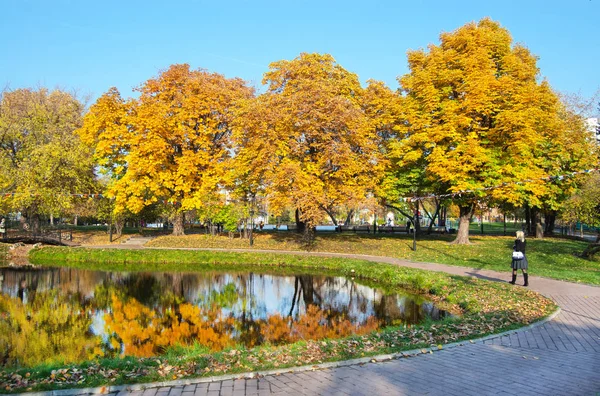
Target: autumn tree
[
  {"x": 307, "y": 140},
  {"x": 171, "y": 144},
  {"x": 584, "y": 205},
  {"x": 42, "y": 161},
  {"x": 477, "y": 117}
]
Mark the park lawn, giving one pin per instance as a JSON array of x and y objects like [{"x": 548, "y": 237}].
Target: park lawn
[
  {"x": 480, "y": 308},
  {"x": 96, "y": 237},
  {"x": 495, "y": 228},
  {"x": 550, "y": 257},
  {"x": 3, "y": 252}
]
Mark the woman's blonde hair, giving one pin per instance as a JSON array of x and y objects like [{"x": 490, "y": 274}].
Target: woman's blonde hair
[{"x": 521, "y": 236}]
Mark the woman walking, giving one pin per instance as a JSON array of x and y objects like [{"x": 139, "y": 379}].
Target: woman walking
[{"x": 519, "y": 260}]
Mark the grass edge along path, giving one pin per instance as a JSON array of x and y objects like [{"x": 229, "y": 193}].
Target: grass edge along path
[
  {"x": 485, "y": 307},
  {"x": 554, "y": 258}
]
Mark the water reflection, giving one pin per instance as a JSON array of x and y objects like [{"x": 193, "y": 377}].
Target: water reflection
[{"x": 69, "y": 315}]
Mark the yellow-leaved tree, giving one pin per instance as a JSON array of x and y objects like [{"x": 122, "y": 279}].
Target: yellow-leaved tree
[
  {"x": 43, "y": 163},
  {"x": 477, "y": 117},
  {"x": 307, "y": 141},
  {"x": 169, "y": 145}
]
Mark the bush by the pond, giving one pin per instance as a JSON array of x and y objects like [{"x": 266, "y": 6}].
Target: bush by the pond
[{"x": 482, "y": 308}]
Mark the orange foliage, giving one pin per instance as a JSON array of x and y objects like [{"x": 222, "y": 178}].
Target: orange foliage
[
  {"x": 313, "y": 325},
  {"x": 276, "y": 330},
  {"x": 141, "y": 331}
]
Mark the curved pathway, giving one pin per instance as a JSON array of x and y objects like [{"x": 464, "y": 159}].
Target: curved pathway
[{"x": 559, "y": 357}]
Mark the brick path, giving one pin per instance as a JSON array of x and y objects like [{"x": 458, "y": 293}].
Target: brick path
[{"x": 560, "y": 357}]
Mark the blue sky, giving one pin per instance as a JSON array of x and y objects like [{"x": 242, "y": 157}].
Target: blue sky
[{"x": 90, "y": 46}]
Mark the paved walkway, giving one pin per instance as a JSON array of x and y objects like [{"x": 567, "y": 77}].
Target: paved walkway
[{"x": 560, "y": 357}]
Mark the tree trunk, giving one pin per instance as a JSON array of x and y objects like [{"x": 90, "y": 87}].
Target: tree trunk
[
  {"x": 417, "y": 223},
  {"x": 35, "y": 224},
  {"x": 591, "y": 250},
  {"x": 437, "y": 211},
  {"x": 75, "y": 220},
  {"x": 462, "y": 235},
  {"x": 537, "y": 219},
  {"x": 51, "y": 219},
  {"x": 349, "y": 217},
  {"x": 550, "y": 218},
  {"x": 300, "y": 225},
  {"x": 331, "y": 215},
  {"x": 403, "y": 213},
  {"x": 119, "y": 223},
  {"x": 528, "y": 221},
  {"x": 178, "y": 224},
  {"x": 308, "y": 237}
]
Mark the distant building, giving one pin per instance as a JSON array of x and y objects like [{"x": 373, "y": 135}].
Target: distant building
[{"x": 593, "y": 125}]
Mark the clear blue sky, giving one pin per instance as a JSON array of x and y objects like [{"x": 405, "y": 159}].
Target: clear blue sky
[{"x": 93, "y": 45}]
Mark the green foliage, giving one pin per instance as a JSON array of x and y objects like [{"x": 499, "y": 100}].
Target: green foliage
[
  {"x": 229, "y": 216},
  {"x": 584, "y": 206},
  {"x": 41, "y": 159},
  {"x": 223, "y": 299}
]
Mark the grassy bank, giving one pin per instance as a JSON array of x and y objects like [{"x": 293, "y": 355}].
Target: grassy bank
[
  {"x": 481, "y": 308},
  {"x": 551, "y": 257}
]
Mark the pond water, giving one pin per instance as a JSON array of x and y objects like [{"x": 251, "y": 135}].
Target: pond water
[{"x": 70, "y": 315}]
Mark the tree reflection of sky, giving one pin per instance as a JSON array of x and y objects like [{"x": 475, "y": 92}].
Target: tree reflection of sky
[{"x": 245, "y": 301}]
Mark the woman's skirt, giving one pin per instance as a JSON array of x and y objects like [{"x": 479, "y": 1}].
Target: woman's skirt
[{"x": 520, "y": 264}]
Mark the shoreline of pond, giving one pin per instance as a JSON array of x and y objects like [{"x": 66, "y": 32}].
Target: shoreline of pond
[{"x": 483, "y": 304}]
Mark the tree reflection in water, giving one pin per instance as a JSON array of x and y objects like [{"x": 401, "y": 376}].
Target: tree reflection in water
[{"x": 69, "y": 315}]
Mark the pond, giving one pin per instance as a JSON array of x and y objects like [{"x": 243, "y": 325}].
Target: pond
[{"x": 72, "y": 315}]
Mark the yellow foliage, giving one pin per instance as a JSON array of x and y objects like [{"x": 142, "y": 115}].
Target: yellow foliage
[
  {"x": 308, "y": 141},
  {"x": 478, "y": 117},
  {"x": 172, "y": 143},
  {"x": 52, "y": 328}
]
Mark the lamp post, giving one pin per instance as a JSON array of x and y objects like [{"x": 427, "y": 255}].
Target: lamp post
[
  {"x": 251, "y": 225},
  {"x": 415, "y": 219}
]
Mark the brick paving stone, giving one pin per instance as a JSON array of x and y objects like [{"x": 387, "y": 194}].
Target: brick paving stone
[
  {"x": 214, "y": 386},
  {"x": 200, "y": 391},
  {"x": 176, "y": 391}
]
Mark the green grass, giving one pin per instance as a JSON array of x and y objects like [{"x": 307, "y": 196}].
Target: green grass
[
  {"x": 3, "y": 253},
  {"x": 494, "y": 228},
  {"x": 550, "y": 257},
  {"x": 481, "y": 308}
]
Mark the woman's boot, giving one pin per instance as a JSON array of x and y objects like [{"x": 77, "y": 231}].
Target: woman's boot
[
  {"x": 526, "y": 276},
  {"x": 514, "y": 279}
]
